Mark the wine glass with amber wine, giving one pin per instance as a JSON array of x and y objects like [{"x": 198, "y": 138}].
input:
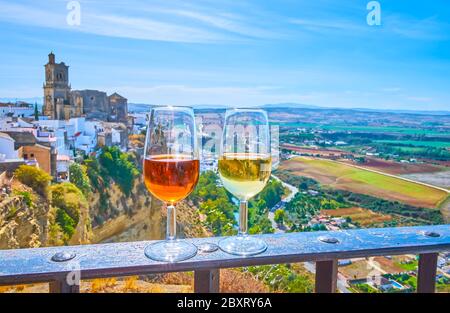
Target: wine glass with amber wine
[
  {"x": 171, "y": 171},
  {"x": 244, "y": 168}
]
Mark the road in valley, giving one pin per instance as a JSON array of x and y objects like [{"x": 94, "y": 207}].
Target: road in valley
[
  {"x": 281, "y": 205},
  {"x": 310, "y": 266}
]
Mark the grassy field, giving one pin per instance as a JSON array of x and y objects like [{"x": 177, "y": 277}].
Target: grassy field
[
  {"x": 416, "y": 143},
  {"x": 346, "y": 177},
  {"x": 364, "y": 217},
  {"x": 368, "y": 129}
]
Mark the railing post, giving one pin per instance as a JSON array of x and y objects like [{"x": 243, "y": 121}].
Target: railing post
[
  {"x": 426, "y": 277},
  {"x": 326, "y": 276},
  {"x": 61, "y": 285},
  {"x": 206, "y": 281}
]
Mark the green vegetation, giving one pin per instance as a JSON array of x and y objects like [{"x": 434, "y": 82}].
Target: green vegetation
[
  {"x": 98, "y": 176},
  {"x": 409, "y": 215},
  {"x": 412, "y": 151},
  {"x": 404, "y": 279},
  {"x": 34, "y": 177},
  {"x": 259, "y": 206},
  {"x": 374, "y": 182},
  {"x": 215, "y": 204},
  {"x": 26, "y": 196},
  {"x": 120, "y": 167},
  {"x": 279, "y": 216},
  {"x": 283, "y": 277},
  {"x": 443, "y": 284},
  {"x": 68, "y": 201},
  {"x": 218, "y": 208},
  {"x": 416, "y": 143},
  {"x": 11, "y": 213},
  {"x": 340, "y": 176},
  {"x": 408, "y": 266},
  {"x": 369, "y": 129},
  {"x": 79, "y": 177},
  {"x": 66, "y": 223},
  {"x": 365, "y": 288},
  {"x": 36, "y": 112},
  {"x": 304, "y": 205}
]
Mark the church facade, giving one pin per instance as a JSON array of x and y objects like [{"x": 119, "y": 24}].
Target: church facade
[{"x": 62, "y": 103}]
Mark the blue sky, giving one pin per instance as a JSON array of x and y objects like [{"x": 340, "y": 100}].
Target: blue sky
[{"x": 235, "y": 52}]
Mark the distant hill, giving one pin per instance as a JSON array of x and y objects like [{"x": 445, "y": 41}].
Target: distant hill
[
  {"x": 290, "y": 106},
  {"x": 139, "y": 107},
  {"x": 32, "y": 100},
  {"x": 145, "y": 107}
]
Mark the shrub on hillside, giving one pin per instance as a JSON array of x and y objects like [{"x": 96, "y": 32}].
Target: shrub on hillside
[
  {"x": 68, "y": 201},
  {"x": 79, "y": 177},
  {"x": 34, "y": 177},
  {"x": 66, "y": 223},
  {"x": 68, "y": 197},
  {"x": 120, "y": 167}
]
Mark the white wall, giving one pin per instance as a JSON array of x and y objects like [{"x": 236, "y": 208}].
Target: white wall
[{"x": 7, "y": 148}]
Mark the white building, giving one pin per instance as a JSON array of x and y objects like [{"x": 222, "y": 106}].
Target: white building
[
  {"x": 7, "y": 147},
  {"x": 63, "y": 163},
  {"x": 67, "y": 135},
  {"x": 18, "y": 111}
]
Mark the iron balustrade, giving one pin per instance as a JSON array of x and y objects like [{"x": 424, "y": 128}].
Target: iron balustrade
[{"x": 38, "y": 265}]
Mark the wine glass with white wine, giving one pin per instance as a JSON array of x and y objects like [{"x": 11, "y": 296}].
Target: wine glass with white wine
[{"x": 244, "y": 168}]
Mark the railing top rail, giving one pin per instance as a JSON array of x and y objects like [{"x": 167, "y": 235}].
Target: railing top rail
[{"x": 122, "y": 259}]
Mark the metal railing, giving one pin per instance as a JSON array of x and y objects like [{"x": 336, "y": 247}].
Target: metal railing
[{"x": 37, "y": 265}]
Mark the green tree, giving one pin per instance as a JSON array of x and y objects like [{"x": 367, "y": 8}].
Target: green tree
[
  {"x": 66, "y": 223},
  {"x": 36, "y": 112},
  {"x": 279, "y": 216},
  {"x": 69, "y": 201},
  {"x": 79, "y": 177},
  {"x": 120, "y": 167},
  {"x": 303, "y": 186},
  {"x": 33, "y": 177},
  {"x": 68, "y": 197}
]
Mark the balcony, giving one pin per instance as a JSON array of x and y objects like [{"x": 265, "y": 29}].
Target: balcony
[{"x": 23, "y": 266}]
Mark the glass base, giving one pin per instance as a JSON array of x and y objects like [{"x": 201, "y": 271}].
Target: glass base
[
  {"x": 242, "y": 245},
  {"x": 171, "y": 251}
]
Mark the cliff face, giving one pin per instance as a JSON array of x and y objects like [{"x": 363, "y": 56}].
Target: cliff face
[
  {"x": 23, "y": 224},
  {"x": 118, "y": 217},
  {"x": 111, "y": 216},
  {"x": 141, "y": 217}
]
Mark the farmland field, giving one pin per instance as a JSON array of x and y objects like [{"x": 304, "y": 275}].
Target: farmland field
[
  {"x": 416, "y": 143},
  {"x": 364, "y": 217},
  {"x": 345, "y": 177},
  {"x": 397, "y": 168},
  {"x": 368, "y": 129},
  {"x": 440, "y": 179}
]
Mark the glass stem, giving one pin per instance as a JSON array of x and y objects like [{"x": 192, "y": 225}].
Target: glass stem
[
  {"x": 243, "y": 218},
  {"x": 171, "y": 231}
]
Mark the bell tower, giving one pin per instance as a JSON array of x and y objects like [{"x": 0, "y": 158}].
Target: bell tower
[{"x": 56, "y": 88}]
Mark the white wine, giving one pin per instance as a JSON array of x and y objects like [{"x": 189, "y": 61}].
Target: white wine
[{"x": 244, "y": 174}]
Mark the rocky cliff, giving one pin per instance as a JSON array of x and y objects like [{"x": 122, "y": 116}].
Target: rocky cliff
[{"x": 23, "y": 223}]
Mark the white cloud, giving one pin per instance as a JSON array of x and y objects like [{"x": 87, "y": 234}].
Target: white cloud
[
  {"x": 420, "y": 99},
  {"x": 141, "y": 21}
]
